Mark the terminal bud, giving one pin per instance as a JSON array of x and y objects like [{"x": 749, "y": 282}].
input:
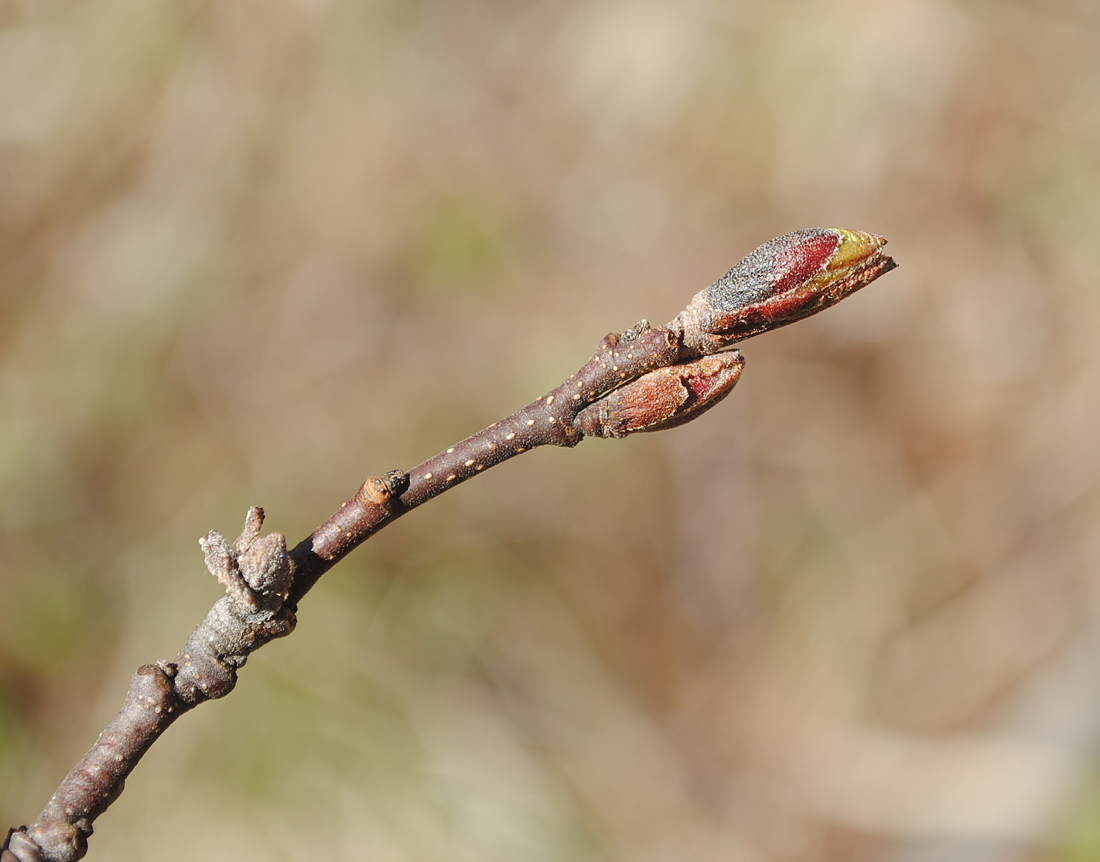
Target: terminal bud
[{"x": 784, "y": 280}]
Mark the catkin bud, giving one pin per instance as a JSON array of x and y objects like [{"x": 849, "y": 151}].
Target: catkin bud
[
  {"x": 784, "y": 280},
  {"x": 663, "y": 398}
]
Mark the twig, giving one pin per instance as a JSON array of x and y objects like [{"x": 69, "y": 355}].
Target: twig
[{"x": 646, "y": 379}]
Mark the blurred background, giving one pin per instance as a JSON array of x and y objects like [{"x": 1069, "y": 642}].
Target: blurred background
[{"x": 251, "y": 253}]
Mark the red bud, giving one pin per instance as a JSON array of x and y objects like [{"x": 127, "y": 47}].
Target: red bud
[
  {"x": 784, "y": 280},
  {"x": 663, "y": 398}
]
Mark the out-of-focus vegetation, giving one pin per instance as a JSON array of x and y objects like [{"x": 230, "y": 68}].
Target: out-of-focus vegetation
[{"x": 251, "y": 253}]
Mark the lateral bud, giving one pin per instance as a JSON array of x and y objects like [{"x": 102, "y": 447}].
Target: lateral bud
[
  {"x": 663, "y": 398},
  {"x": 374, "y": 490}
]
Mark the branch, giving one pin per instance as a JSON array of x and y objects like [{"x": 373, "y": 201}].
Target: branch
[{"x": 645, "y": 379}]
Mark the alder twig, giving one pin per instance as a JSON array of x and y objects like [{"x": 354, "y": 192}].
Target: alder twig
[{"x": 645, "y": 379}]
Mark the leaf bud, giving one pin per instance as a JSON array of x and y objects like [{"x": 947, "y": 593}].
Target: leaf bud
[
  {"x": 663, "y": 398},
  {"x": 784, "y": 280}
]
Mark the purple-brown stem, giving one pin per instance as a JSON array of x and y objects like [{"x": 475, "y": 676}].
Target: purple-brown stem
[
  {"x": 647, "y": 379},
  {"x": 546, "y": 421}
]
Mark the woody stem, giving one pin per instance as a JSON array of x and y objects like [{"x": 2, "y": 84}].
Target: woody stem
[{"x": 548, "y": 420}]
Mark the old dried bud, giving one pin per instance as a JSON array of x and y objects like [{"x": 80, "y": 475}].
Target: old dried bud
[
  {"x": 255, "y": 570},
  {"x": 663, "y": 398},
  {"x": 784, "y": 280}
]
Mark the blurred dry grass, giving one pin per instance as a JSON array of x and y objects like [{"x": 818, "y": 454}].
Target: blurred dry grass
[{"x": 253, "y": 252}]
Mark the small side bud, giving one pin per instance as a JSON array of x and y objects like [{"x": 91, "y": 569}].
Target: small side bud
[
  {"x": 374, "y": 490},
  {"x": 784, "y": 280},
  {"x": 663, "y": 398}
]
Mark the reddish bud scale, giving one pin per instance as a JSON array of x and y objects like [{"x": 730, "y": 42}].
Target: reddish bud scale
[
  {"x": 775, "y": 267},
  {"x": 784, "y": 280},
  {"x": 663, "y": 398}
]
